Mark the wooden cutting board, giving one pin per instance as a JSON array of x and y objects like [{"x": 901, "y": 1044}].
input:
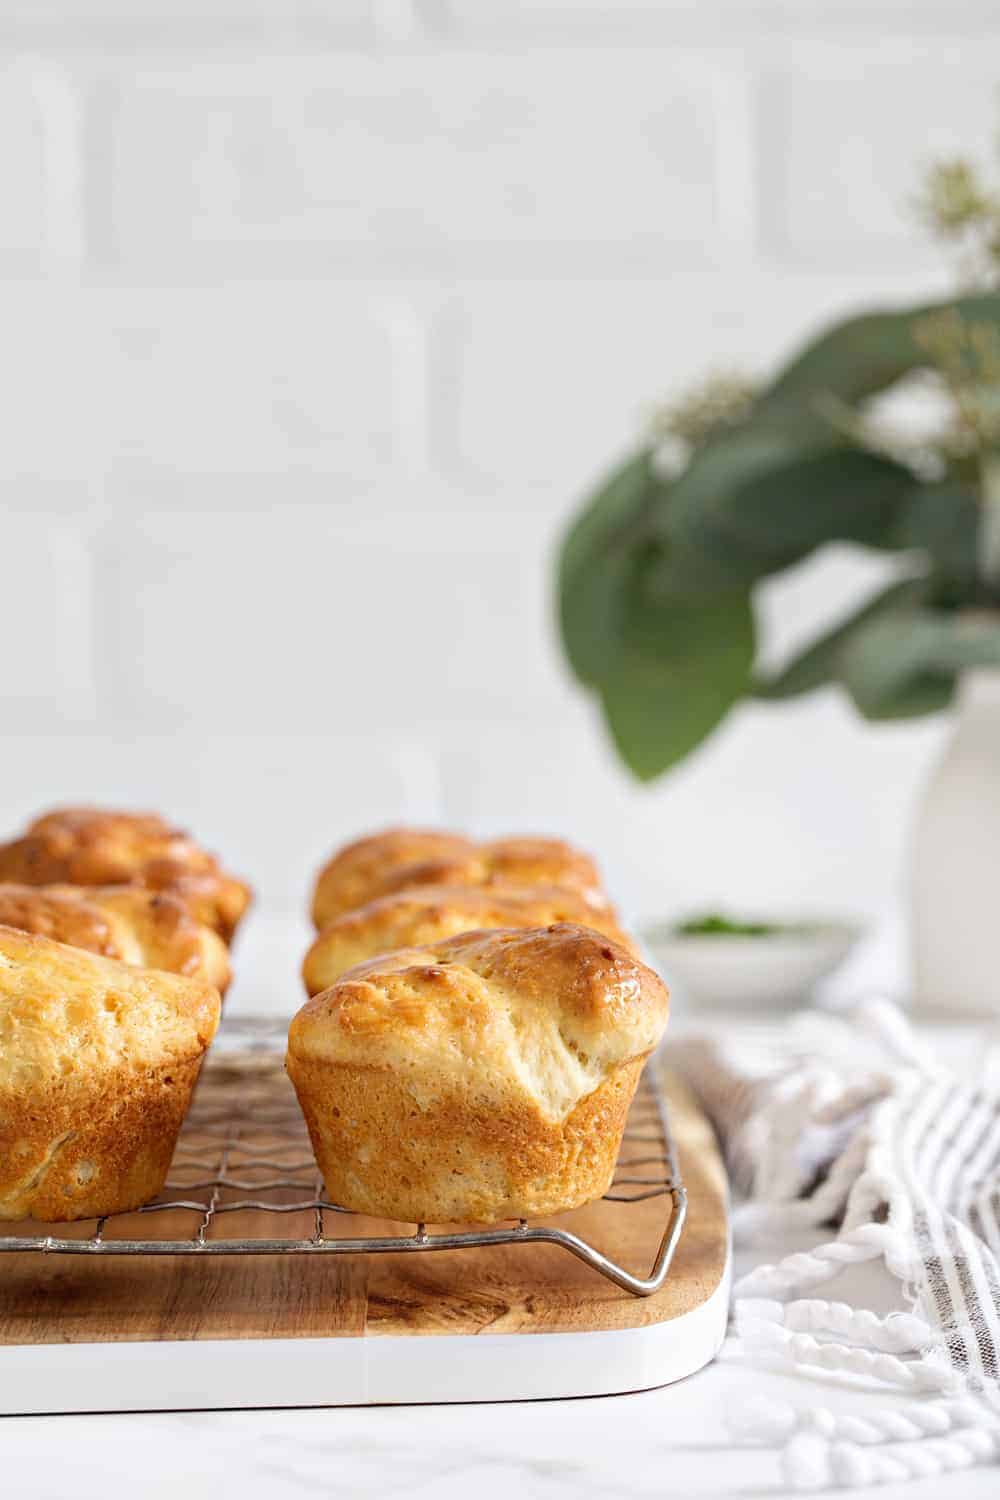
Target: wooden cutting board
[{"x": 219, "y": 1331}]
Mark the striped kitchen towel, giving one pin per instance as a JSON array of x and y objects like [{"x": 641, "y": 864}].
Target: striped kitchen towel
[{"x": 851, "y": 1126}]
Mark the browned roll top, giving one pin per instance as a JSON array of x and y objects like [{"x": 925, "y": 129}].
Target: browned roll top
[
  {"x": 88, "y": 846},
  {"x": 401, "y": 858}
]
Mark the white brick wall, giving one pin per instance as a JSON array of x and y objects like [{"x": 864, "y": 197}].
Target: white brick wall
[
  {"x": 47, "y": 621},
  {"x": 839, "y": 147},
  {"x": 322, "y": 619},
  {"x": 40, "y": 164},
  {"x": 22, "y": 167},
  {"x": 315, "y": 321}
]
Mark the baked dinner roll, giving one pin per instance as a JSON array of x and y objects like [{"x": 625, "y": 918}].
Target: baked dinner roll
[
  {"x": 404, "y": 857},
  {"x": 151, "y": 929},
  {"x": 429, "y": 913},
  {"x": 94, "y": 846},
  {"x": 212, "y": 897},
  {"x": 97, "y": 1064},
  {"x": 481, "y": 1078}
]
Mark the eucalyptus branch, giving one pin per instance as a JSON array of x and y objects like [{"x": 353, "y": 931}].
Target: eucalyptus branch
[{"x": 883, "y": 431}]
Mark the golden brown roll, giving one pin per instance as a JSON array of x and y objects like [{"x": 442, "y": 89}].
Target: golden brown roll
[
  {"x": 485, "y": 1077},
  {"x": 97, "y": 1064},
  {"x": 94, "y": 846},
  {"x": 430, "y": 913},
  {"x": 151, "y": 929},
  {"x": 212, "y": 897},
  {"x": 402, "y": 858}
]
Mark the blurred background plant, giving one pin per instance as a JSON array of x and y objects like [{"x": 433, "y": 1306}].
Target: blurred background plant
[{"x": 883, "y": 432}]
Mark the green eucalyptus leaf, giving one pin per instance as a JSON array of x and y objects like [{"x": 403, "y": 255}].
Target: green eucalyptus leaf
[
  {"x": 753, "y": 521},
  {"x": 888, "y": 671},
  {"x": 819, "y": 663},
  {"x": 864, "y": 355},
  {"x": 908, "y": 663},
  {"x": 619, "y": 501},
  {"x": 590, "y": 606},
  {"x": 596, "y": 562},
  {"x": 942, "y": 519},
  {"x": 688, "y": 572},
  {"x": 680, "y": 667}
]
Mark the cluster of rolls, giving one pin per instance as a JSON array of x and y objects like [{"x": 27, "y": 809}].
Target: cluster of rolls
[
  {"x": 475, "y": 1031},
  {"x": 114, "y": 956},
  {"x": 476, "y": 1028}
]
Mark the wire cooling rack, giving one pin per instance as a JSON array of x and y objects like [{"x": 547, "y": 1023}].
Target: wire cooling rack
[{"x": 244, "y": 1151}]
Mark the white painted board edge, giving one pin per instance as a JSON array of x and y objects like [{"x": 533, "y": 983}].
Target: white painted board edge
[{"x": 220, "y": 1374}]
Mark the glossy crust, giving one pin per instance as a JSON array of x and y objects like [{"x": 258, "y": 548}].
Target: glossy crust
[
  {"x": 430, "y": 913},
  {"x": 151, "y": 929},
  {"x": 97, "y": 1064},
  {"x": 401, "y": 858},
  {"x": 94, "y": 846},
  {"x": 481, "y": 1078}
]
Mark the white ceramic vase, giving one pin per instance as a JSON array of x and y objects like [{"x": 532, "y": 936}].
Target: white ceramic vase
[{"x": 955, "y": 892}]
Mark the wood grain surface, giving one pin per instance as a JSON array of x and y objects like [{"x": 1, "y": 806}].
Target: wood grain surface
[{"x": 50, "y": 1299}]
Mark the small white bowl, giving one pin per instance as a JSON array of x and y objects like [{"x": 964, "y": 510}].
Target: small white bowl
[{"x": 769, "y": 972}]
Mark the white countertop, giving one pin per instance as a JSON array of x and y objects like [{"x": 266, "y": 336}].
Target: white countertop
[{"x": 665, "y": 1443}]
